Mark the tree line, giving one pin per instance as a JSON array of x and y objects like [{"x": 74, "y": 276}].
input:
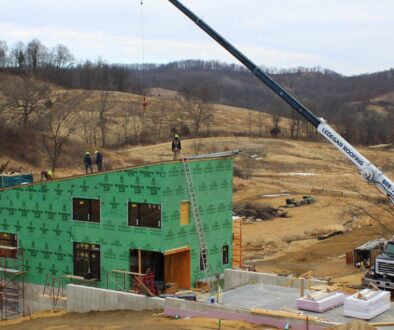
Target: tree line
[{"x": 348, "y": 103}]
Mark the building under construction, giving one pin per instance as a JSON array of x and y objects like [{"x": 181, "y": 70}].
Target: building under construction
[{"x": 133, "y": 220}]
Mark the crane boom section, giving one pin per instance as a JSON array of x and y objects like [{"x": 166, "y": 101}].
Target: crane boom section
[
  {"x": 367, "y": 170},
  {"x": 289, "y": 99}
]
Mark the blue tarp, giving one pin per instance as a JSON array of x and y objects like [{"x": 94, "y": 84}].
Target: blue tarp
[{"x": 15, "y": 180}]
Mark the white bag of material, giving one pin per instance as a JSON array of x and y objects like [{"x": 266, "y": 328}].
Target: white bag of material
[
  {"x": 367, "y": 304},
  {"x": 320, "y": 301}
]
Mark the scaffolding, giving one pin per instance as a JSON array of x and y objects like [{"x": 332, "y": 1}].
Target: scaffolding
[
  {"x": 55, "y": 287},
  {"x": 12, "y": 281},
  {"x": 132, "y": 282}
]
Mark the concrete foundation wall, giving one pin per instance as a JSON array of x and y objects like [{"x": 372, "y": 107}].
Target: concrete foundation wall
[
  {"x": 184, "y": 308},
  {"x": 83, "y": 299},
  {"x": 35, "y": 301},
  {"x": 234, "y": 278}
]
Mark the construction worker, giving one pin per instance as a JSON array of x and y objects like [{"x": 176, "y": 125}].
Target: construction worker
[
  {"x": 99, "y": 160},
  {"x": 176, "y": 147},
  {"x": 46, "y": 174},
  {"x": 88, "y": 162}
]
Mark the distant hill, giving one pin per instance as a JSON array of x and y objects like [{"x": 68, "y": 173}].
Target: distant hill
[{"x": 358, "y": 105}]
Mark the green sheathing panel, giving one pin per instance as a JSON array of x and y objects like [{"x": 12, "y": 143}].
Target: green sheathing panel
[{"x": 41, "y": 216}]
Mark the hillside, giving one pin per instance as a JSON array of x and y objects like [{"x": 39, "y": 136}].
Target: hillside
[
  {"x": 127, "y": 122},
  {"x": 296, "y": 168}
]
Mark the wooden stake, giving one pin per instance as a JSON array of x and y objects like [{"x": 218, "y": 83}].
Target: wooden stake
[{"x": 139, "y": 261}]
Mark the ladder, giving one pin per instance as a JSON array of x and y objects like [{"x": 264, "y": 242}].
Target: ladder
[{"x": 197, "y": 221}]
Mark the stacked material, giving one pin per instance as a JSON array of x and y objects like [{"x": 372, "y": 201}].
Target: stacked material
[
  {"x": 10, "y": 180},
  {"x": 367, "y": 304},
  {"x": 320, "y": 301}
]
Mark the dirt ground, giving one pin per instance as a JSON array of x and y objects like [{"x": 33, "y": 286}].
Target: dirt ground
[
  {"x": 289, "y": 245},
  {"x": 152, "y": 320},
  {"x": 282, "y": 245}
]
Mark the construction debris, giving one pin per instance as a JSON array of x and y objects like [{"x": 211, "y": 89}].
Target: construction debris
[
  {"x": 292, "y": 202},
  {"x": 258, "y": 212}
]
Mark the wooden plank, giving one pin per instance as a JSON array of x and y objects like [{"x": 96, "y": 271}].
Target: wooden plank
[
  {"x": 284, "y": 314},
  {"x": 143, "y": 287},
  {"x": 139, "y": 261},
  {"x": 177, "y": 250}
]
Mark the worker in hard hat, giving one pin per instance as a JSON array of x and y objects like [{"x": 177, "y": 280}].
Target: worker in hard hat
[
  {"x": 99, "y": 160},
  {"x": 176, "y": 147},
  {"x": 88, "y": 162},
  {"x": 46, "y": 174}
]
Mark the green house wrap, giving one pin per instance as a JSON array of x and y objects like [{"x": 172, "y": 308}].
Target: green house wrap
[{"x": 93, "y": 224}]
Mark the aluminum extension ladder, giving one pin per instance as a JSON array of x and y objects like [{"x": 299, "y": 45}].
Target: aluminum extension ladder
[{"x": 197, "y": 221}]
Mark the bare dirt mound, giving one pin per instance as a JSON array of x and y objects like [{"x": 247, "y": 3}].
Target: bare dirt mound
[{"x": 355, "y": 325}]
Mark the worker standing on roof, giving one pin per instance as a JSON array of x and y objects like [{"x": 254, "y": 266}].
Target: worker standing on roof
[
  {"x": 176, "y": 147},
  {"x": 99, "y": 160},
  {"x": 88, "y": 162}
]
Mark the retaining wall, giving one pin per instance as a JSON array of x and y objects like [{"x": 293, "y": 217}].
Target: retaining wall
[
  {"x": 35, "y": 301},
  {"x": 83, "y": 299},
  {"x": 234, "y": 278}
]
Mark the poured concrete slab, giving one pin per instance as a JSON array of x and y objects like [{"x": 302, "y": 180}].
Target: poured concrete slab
[{"x": 276, "y": 298}]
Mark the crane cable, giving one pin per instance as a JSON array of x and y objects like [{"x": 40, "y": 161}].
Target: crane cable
[{"x": 143, "y": 53}]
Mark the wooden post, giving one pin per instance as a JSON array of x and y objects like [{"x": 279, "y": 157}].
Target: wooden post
[
  {"x": 302, "y": 287},
  {"x": 139, "y": 262}
]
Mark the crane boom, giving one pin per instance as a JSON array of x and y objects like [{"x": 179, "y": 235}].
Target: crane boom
[{"x": 367, "y": 170}]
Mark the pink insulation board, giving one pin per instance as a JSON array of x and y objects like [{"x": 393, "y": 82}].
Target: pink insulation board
[
  {"x": 320, "y": 303},
  {"x": 367, "y": 304}
]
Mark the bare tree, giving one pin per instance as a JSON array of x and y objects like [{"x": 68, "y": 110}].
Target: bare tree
[
  {"x": 157, "y": 118},
  {"x": 36, "y": 53},
  {"x": 105, "y": 98},
  {"x": 3, "y": 53},
  {"x": 248, "y": 165},
  {"x": 17, "y": 56},
  {"x": 62, "y": 122},
  {"x": 294, "y": 125},
  {"x": 380, "y": 212},
  {"x": 260, "y": 124},
  {"x": 198, "y": 110},
  {"x": 24, "y": 98},
  {"x": 275, "y": 130},
  {"x": 88, "y": 121},
  {"x": 250, "y": 123},
  {"x": 61, "y": 56}
]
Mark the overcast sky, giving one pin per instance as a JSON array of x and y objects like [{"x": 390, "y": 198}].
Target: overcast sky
[{"x": 348, "y": 36}]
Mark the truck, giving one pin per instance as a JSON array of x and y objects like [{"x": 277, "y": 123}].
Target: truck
[{"x": 382, "y": 274}]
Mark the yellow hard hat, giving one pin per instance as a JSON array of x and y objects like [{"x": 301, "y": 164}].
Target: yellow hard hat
[
  {"x": 87, "y": 153},
  {"x": 176, "y": 135},
  {"x": 96, "y": 152}
]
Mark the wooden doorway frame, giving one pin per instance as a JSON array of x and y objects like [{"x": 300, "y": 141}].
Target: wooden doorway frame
[{"x": 177, "y": 266}]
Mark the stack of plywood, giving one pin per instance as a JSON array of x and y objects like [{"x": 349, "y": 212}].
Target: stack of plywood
[
  {"x": 367, "y": 304},
  {"x": 237, "y": 242},
  {"x": 320, "y": 301}
]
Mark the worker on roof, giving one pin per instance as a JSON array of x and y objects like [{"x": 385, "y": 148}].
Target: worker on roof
[
  {"x": 176, "y": 147},
  {"x": 88, "y": 162},
  {"x": 46, "y": 174},
  {"x": 99, "y": 160}
]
